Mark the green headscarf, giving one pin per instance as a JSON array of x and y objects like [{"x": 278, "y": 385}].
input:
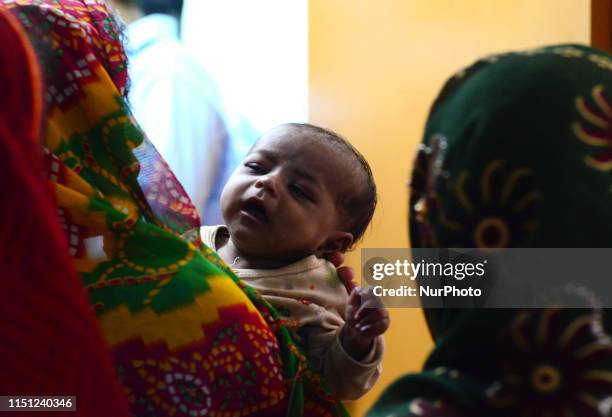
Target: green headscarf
[{"x": 517, "y": 153}]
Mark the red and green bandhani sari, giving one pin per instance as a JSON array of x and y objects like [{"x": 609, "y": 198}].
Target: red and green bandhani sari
[
  {"x": 187, "y": 337},
  {"x": 51, "y": 344}
]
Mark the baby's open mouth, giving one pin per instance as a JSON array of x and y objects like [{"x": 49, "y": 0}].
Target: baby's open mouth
[{"x": 256, "y": 209}]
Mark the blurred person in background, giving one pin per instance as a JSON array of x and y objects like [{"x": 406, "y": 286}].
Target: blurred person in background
[
  {"x": 485, "y": 177},
  {"x": 176, "y": 102}
]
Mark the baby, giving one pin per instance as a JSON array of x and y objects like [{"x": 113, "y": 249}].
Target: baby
[{"x": 302, "y": 193}]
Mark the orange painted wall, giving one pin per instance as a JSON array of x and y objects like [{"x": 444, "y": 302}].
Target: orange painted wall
[{"x": 374, "y": 69}]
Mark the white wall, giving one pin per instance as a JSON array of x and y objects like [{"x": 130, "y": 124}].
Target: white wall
[{"x": 257, "y": 52}]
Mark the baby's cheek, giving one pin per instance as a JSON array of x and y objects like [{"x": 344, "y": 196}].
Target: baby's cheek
[{"x": 229, "y": 204}]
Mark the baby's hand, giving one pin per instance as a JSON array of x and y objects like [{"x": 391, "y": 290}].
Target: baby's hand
[{"x": 366, "y": 319}]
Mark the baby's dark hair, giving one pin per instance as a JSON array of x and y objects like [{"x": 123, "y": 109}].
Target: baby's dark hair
[{"x": 358, "y": 207}]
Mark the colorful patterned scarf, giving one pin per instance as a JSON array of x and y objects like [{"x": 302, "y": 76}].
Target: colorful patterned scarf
[
  {"x": 517, "y": 153},
  {"x": 46, "y": 320},
  {"x": 188, "y": 338}
]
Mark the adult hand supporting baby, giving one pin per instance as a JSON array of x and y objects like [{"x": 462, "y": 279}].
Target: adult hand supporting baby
[
  {"x": 366, "y": 319},
  {"x": 345, "y": 273}
]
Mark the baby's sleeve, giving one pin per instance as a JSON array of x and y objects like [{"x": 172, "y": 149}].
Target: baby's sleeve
[{"x": 349, "y": 379}]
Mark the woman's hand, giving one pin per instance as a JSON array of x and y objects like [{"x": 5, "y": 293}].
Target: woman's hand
[{"x": 345, "y": 273}]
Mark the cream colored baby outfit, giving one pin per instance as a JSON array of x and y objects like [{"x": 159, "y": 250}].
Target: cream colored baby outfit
[{"x": 309, "y": 292}]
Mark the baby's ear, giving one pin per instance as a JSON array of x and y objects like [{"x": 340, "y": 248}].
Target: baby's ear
[{"x": 337, "y": 242}]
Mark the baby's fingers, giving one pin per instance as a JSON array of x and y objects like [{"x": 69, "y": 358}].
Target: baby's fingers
[
  {"x": 373, "y": 315},
  {"x": 352, "y": 306},
  {"x": 369, "y": 302},
  {"x": 374, "y": 329}
]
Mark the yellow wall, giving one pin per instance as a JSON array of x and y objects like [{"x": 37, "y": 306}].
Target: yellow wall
[{"x": 375, "y": 67}]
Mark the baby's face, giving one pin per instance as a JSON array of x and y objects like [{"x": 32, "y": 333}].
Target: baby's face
[{"x": 281, "y": 201}]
